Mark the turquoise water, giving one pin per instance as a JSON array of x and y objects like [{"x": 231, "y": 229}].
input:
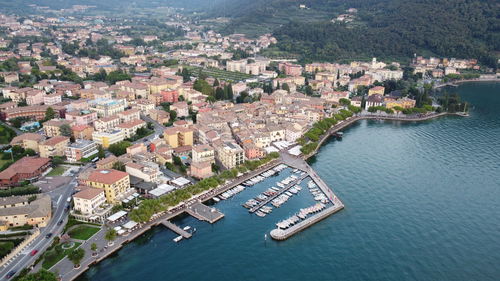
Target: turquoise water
[{"x": 422, "y": 203}]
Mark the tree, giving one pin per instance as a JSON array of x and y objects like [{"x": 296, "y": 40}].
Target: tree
[
  {"x": 344, "y": 102},
  {"x": 285, "y": 87},
  {"x": 216, "y": 83},
  {"x": 186, "y": 76},
  {"x": 119, "y": 148},
  {"x": 219, "y": 93},
  {"x": 42, "y": 275},
  {"x": 173, "y": 115},
  {"x": 76, "y": 256},
  {"x": 100, "y": 152},
  {"x": 118, "y": 165},
  {"x": 110, "y": 235},
  {"x": 50, "y": 113},
  {"x": 93, "y": 247},
  {"x": 65, "y": 130}
]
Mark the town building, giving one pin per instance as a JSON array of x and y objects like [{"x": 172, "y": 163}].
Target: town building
[
  {"x": 230, "y": 154},
  {"x": 108, "y": 138},
  {"x": 26, "y": 168},
  {"x": 55, "y": 146},
  {"x": 81, "y": 149},
  {"x": 23, "y": 210},
  {"x": 113, "y": 182}
]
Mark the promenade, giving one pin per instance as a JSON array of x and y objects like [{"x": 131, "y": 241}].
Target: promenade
[
  {"x": 349, "y": 121},
  {"x": 65, "y": 267}
]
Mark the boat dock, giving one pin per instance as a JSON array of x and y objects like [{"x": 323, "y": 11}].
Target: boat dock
[
  {"x": 271, "y": 198},
  {"x": 204, "y": 213},
  {"x": 283, "y": 234},
  {"x": 176, "y": 229},
  {"x": 337, "y": 205}
]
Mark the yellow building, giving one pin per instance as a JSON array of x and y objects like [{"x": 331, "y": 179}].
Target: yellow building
[
  {"x": 108, "y": 138},
  {"x": 114, "y": 183},
  {"x": 55, "y": 146},
  {"x": 377, "y": 90},
  {"x": 28, "y": 141},
  {"x": 52, "y": 127},
  {"x": 20, "y": 210},
  {"x": 402, "y": 102},
  {"x": 178, "y": 136}
]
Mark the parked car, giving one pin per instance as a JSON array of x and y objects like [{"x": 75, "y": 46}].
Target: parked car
[
  {"x": 34, "y": 252},
  {"x": 60, "y": 222},
  {"x": 11, "y": 273}
]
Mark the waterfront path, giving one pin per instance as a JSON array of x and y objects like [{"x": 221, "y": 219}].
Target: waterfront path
[
  {"x": 65, "y": 267},
  {"x": 349, "y": 121}
]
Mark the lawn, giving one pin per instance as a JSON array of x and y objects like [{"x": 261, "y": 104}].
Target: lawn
[
  {"x": 56, "y": 254},
  {"x": 57, "y": 171},
  {"x": 83, "y": 232}
]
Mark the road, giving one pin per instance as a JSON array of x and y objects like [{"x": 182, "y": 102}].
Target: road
[
  {"x": 59, "y": 200},
  {"x": 158, "y": 129}
]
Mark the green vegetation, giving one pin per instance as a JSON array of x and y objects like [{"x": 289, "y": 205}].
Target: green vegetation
[
  {"x": 381, "y": 23},
  {"x": 6, "y": 247},
  {"x": 76, "y": 256},
  {"x": 19, "y": 190},
  {"x": 110, "y": 235},
  {"x": 6, "y": 134},
  {"x": 83, "y": 232},
  {"x": 72, "y": 222},
  {"x": 149, "y": 207},
  {"x": 140, "y": 133},
  {"x": 57, "y": 171},
  {"x": 452, "y": 103},
  {"x": 56, "y": 253},
  {"x": 218, "y": 73},
  {"x": 42, "y": 275},
  {"x": 119, "y": 148}
]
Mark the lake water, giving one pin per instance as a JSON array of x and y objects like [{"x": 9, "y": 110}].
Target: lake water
[{"x": 422, "y": 203}]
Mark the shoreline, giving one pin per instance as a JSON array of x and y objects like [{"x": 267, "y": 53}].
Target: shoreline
[
  {"x": 458, "y": 82},
  {"x": 181, "y": 208},
  {"x": 351, "y": 120}
]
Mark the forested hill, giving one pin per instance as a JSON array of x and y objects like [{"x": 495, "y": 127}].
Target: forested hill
[{"x": 383, "y": 28}]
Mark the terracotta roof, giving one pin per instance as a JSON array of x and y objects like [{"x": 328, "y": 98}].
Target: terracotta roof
[
  {"x": 131, "y": 124},
  {"x": 25, "y": 165},
  {"x": 27, "y": 136},
  {"x": 89, "y": 193},
  {"x": 55, "y": 140},
  {"x": 106, "y": 176}
]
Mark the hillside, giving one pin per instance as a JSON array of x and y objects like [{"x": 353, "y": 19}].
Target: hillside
[{"x": 383, "y": 28}]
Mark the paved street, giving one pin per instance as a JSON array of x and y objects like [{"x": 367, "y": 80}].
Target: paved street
[{"x": 22, "y": 260}]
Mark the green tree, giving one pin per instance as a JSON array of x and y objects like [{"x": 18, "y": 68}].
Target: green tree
[
  {"x": 42, "y": 275},
  {"x": 50, "y": 113},
  {"x": 100, "y": 152},
  {"x": 65, "y": 130},
  {"x": 76, "y": 256},
  {"x": 93, "y": 247},
  {"x": 285, "y": 87},
  {"x": 110, "y": 235},
  {"x": 119, "y": 148},
  {"x": 118, "y": 165}
]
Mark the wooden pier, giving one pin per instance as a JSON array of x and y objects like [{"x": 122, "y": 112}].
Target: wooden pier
[
  {"x": 270, "y": 198},
  {"x": 176, "y": 229},
  {"x": 204, "y": 213}
]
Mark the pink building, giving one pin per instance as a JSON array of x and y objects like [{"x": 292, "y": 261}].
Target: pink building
[
  {"x": 170, "y": 96},
  {"x": 83, "y": 117},
  {"x": 34, "y": 97},
  {"x": 52, "y": 99},
  {"x": 290, "y": 69}
]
